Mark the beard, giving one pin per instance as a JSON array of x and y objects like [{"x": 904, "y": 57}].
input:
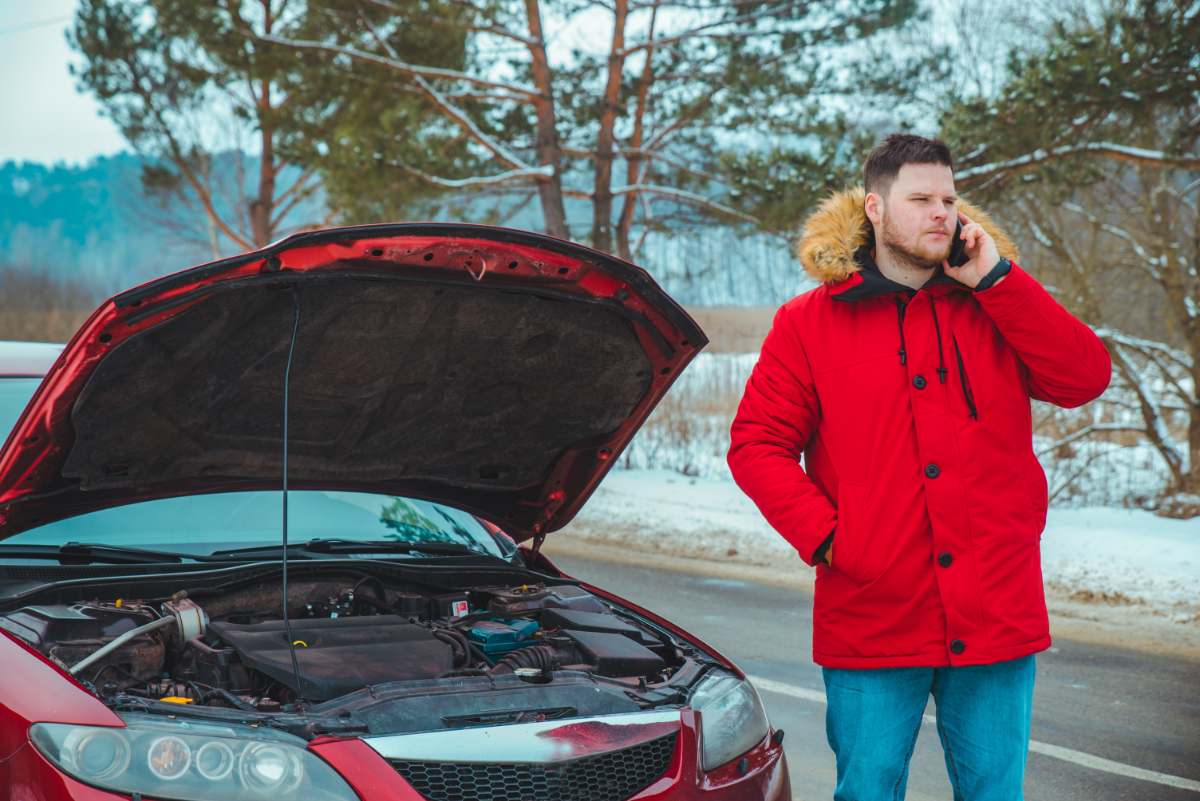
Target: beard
[{"x": 918, "y": 259}]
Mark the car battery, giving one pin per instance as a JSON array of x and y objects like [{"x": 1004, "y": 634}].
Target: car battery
[{"x": 498, "y": 636}]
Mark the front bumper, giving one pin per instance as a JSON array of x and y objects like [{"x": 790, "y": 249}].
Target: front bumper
[
  {"x": 760, "y": 775},
  {"x": 765, "y": 775}
]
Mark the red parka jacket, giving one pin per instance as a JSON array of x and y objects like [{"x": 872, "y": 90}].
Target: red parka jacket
[{"x": 912, "y": 411}]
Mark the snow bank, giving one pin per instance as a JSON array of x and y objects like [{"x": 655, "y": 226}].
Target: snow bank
[
  {"x": 1125, "y": 556},
  {"x": 1095, "y": 554}
]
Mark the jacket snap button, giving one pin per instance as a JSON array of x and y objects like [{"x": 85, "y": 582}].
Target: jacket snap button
[
  {"x": 944, "y": 559},
  {"x": 932, "y": 470},
  {"x": 958, "y": 646},
  {"x": 919, "y": 382}
]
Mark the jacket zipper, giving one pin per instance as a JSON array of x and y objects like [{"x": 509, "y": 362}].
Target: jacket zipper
[{"x": 966, "y": 383}]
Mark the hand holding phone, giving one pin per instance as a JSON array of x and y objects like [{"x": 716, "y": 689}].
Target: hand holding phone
[{"x": 976, "y": 252}]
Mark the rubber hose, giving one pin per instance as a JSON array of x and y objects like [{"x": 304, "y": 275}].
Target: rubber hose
[
  {"x": 542, "y": 657},
  {"x": 459, "y": 646}
]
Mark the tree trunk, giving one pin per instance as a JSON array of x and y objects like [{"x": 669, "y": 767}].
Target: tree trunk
[
  {"x": 633, "y": 162},
  {"x": 262, "y": 207},
  {"x": 1191, "y": 329},
  {"x": 549, "y": 152},
  {"x": 602, "y": 196}
]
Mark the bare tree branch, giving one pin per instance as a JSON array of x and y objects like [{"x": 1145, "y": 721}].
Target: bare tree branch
[
  {"x": 416, "y": 70},
  {"x": 1086, "y": 431},
  {"x": 1182, "y": 358},
  {"x": 763, "y": 13},
  {"x": 684, "y": 196},
  {"x": 1111, "y": 150},
  {"x": 469, "y": 127},
  {"x": 1129, "y": 239},
  {"x": 523, "y": 173}
]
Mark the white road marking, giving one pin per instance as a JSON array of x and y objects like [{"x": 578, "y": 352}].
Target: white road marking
[{"x": 1057, "y": 751}]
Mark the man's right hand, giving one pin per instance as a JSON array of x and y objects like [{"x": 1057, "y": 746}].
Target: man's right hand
[{"x": 824, "y": 552}]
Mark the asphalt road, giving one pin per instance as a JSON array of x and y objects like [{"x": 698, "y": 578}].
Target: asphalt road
[{"x": 1108, "y": 725}]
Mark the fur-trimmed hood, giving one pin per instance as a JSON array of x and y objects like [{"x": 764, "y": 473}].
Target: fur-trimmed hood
[{"x": 839, "y": 227}]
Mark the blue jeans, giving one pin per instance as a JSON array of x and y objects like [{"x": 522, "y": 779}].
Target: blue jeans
[{"x": 983, "y": 716}]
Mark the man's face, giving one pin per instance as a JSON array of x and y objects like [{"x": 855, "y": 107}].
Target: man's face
[{"x": 918, "y": 216}]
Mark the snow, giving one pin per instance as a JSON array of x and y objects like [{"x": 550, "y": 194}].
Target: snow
[
  {"x": 1125, "y": 555},
  {"x": 1095, "y": 554}
]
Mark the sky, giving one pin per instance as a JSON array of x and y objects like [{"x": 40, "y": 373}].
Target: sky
[{"x": 45, "y": 118}]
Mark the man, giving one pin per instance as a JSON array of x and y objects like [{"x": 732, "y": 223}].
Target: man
[{"x": 905, "y": 379}]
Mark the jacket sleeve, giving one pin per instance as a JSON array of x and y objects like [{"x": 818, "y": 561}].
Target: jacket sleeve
[
  {"x": 1068, "y": 365},
  {"x": 777, "y": 415}
]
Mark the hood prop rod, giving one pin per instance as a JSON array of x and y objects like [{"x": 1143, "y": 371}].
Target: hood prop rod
[
  {"x": 287, "y": 376},
  {"x": 538, "y": 539},
  {"x": 553, "y": 501}
]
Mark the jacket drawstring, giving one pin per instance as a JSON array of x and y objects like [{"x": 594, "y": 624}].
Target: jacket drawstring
[{"x": 941, "y": 370}]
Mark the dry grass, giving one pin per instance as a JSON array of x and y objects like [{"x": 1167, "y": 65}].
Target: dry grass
[
  {"x": 37, "y": 307},
  {"x": 733, "y": 329}
]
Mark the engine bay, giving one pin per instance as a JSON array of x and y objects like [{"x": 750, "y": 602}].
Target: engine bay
[{"x": 370, "y": 652}]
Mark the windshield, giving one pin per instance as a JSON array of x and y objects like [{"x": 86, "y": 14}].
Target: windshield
[{"x": 202, "y": 524}]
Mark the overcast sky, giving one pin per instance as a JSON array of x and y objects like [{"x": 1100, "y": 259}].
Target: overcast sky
[{"x": 45, "y": 119}]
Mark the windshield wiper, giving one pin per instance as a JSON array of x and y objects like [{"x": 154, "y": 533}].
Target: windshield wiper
[
  {"x": 79, "y": 553},
  {"x": 341, "y": 546}
]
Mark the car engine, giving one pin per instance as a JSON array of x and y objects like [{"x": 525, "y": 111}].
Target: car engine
[{"x": 356, "y": 641}]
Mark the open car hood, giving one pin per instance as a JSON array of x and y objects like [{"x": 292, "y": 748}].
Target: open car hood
[{"x": 495, "y": 370}]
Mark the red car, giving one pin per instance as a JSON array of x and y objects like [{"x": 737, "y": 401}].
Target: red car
[{"x": 270, "y": 529}]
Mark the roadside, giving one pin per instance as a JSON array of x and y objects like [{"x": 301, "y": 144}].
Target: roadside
[
  {"x": 1109, "y": 722},
  {"x": 1113, "y": 576}
]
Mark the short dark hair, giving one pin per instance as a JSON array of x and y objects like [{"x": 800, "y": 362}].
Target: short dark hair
[{"x": 885, "y": 160}]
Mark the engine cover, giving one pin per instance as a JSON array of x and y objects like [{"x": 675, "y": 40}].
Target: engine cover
[{"x": 338, "y": 656}]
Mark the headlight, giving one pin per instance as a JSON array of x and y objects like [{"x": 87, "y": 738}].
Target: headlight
[
  {"x": 732, "y": 720},
  {"x": 190, "y": 761}
]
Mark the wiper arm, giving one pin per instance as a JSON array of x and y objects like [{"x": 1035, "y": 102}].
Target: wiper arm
[
  {"x": 388, "y": 546},
  {"x": 79, "y": 553},
  {"x": 335, "y": 546}
]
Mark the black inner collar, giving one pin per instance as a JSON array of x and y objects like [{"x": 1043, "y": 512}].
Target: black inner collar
[{"x": 875, "y": 283}]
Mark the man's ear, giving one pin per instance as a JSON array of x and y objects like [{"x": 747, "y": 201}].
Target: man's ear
[{"x": 873, "y": 206}]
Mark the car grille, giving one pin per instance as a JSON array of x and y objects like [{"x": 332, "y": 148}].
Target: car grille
[{"x": 613, "y": 776}]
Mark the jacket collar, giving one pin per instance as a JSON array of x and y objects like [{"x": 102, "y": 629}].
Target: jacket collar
[{"x": 869, "y": 282}]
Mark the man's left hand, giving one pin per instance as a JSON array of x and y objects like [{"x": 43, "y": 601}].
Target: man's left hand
[{"x": 981, "y": 254}]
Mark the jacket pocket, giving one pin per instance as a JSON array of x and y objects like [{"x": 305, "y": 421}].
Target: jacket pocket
[
  {"x": 964, "y": 381},
  {"x": 1035, "y": 484},
  {"x": 854, "y": 553}
]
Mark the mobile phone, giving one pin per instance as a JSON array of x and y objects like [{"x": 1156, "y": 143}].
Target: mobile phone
[{"x": 958, "y": 248}]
